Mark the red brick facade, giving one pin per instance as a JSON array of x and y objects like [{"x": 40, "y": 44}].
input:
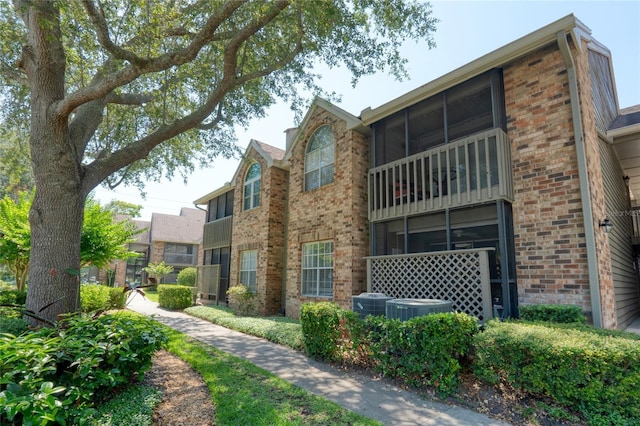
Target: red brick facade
[{"x": 336, "y": 212}]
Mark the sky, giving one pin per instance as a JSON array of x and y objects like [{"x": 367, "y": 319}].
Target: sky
[{"x": 467, "y": 30}]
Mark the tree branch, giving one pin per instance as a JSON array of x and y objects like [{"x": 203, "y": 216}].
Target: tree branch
[{"x": 129, "y": 73}]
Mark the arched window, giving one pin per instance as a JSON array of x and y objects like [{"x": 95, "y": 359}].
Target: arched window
[
  {"x": 252, "y": 187},
  {"x": 319, "y": 159}
]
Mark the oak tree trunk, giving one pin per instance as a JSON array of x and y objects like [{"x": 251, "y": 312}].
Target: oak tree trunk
[{"x": 57, "y": 210}]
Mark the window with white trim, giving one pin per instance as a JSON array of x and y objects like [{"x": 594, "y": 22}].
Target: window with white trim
[
  {"x": 249, "y": 268},
  {"x": 252, "y": 187},
  {"x": 319, "y": 159},
  {"x": 317, "y": 269}
]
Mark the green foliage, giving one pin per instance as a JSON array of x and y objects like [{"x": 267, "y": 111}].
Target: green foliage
[
  {"x": 282, "y": 330},
  {"x": 264, "y": 398},
  {"x": 123, "y": 208},
  {"x": 57, "y": 375},
  {"x": 103, "y": 238},
  {"x": 241, "y": 299},
  {"x": 565, "y": 314},
  {"x": 597, "y": 375},
  {"x": 425, "y": 350},
  {"x": 15, "y": 244},
  {"x": 132, "y": 407},
  {"x": 12, "y": 325},
  {"x": 187, "y": 277},
  {"x": 158, "y": 270},
  {"x": 321, "y": 329},
  {"x": 11, "y": 297},
  {"x": 173, "y": 296},
  {"x": 15, "y": 169},
  {"x": 97, "y": 297}
]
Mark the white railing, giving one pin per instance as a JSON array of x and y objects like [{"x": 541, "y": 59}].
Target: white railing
[
  {"x": 471, "y": 170},
  {"x": 458, "y": 276}
]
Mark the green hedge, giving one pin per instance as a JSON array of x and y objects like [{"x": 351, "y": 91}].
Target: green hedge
[
  {"x": 187, "y": 277},
  {"x": 566, "y": 314},
  {"x": 425, "y": 350},
  {"x": 173, "y": 296},
  {"x": 321, "y": 333},
  {"x": 597, "y": 375},
  {"x": 96, "y": 297}
]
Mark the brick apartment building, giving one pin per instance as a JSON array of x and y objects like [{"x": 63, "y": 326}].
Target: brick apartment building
[{"x": 489, "y": 187}]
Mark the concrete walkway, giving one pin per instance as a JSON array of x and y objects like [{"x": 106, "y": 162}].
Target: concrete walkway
[{"x": 373, "y": 398}]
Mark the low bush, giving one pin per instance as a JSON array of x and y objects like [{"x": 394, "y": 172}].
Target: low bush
[
  {"x": 97, "y": 297},
  {"x": 11, "y": 297},
  {"x": 173, "y": 296},
  {"x": 597, "y": 375},
  {"x": 57, "y": 375},
  {"x": 321, "y": 329},
  {"x": 425, "y": 350},
  {"x": 566, "y": 314},
  {"x": 241, "y": 299},
  {"x": 15, "y": 297},
  {"x": 187, "y": 277},
  {"x": 14, "y": 326}
]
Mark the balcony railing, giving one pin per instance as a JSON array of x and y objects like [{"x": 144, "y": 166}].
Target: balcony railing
[
  {"x": 468, "y": 171},
  {"x": 180, "y": 259},
  {"x": 217, "y": 233}
]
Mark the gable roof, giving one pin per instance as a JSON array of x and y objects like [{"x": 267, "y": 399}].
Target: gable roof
[
  {"x": 274, "y": 157},
  {"x": 529, "y": 43},
  {"x": 185, "y": 228},
  {"x": 627, "y": 121},
  {"x": 353, "y": 122}
]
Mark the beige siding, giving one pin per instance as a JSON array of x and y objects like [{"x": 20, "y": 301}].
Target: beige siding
[{"x": 622, "y": 269}]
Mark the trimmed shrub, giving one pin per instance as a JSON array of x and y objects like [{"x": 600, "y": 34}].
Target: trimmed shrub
[
  {"x": 187, "y": 277},
  {"x": 241, "y": 299},
  {"x": 321, "y": 333},
  {"x": 173, "y": 296},
  {"x": 597, "y": 375},
  {"x": 94, "y": 297},
  {"x": 97, "y": 297},
  {"x": 425, "y": 350},
  {"x": 566, "y": 314}
]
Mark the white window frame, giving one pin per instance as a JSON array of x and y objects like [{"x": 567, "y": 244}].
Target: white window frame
[
  {"x": 251, "y": 188},
  {"x": 317, "y": 269},
  {"x": 249, "y": 269},
  {"x": 319, "y": 159}
]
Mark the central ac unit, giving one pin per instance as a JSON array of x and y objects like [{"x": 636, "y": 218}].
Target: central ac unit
[
  {"x": 369, "y": 304},
  {"x": 405, "y": 309}
]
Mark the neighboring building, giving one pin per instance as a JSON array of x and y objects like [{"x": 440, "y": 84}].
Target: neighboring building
[
  {"x": 472, "y": 188},
  {"x": 176, "y": 240}
]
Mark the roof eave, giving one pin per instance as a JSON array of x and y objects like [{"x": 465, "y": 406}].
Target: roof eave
[
  {"x": 205, "y": 198},
  {"x": 499, "y": 57}
]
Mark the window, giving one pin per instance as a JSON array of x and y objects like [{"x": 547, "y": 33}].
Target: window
[
  {"x": 319, "y": 159},
  {"x": 179, "y": 254},
  {"x": 252, "y": 187},
  {"x": 317, "y": 269},
  {"x": 248, "y": 268}
]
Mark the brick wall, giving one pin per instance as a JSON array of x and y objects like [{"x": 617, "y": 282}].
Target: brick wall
[
  {"x": 550, "y": 247},
  {"x": 336, "y": 212},
  {"x": 261, "y": 229}
]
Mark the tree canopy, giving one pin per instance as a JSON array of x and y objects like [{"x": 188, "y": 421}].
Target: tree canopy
[{"x": 124, "y": 91}]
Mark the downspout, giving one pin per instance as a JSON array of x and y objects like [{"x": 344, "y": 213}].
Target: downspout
[{"x": 583, "y": 176}]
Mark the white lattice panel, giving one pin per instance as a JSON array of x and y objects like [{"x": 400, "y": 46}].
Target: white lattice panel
[{"x": 461, "y": 277}]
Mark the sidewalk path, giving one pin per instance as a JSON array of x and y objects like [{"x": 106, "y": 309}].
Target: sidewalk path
[{"x": 367, "y": 396}]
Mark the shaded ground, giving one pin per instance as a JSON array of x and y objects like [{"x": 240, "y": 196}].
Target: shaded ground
[{"x": 187, "y": 400}]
